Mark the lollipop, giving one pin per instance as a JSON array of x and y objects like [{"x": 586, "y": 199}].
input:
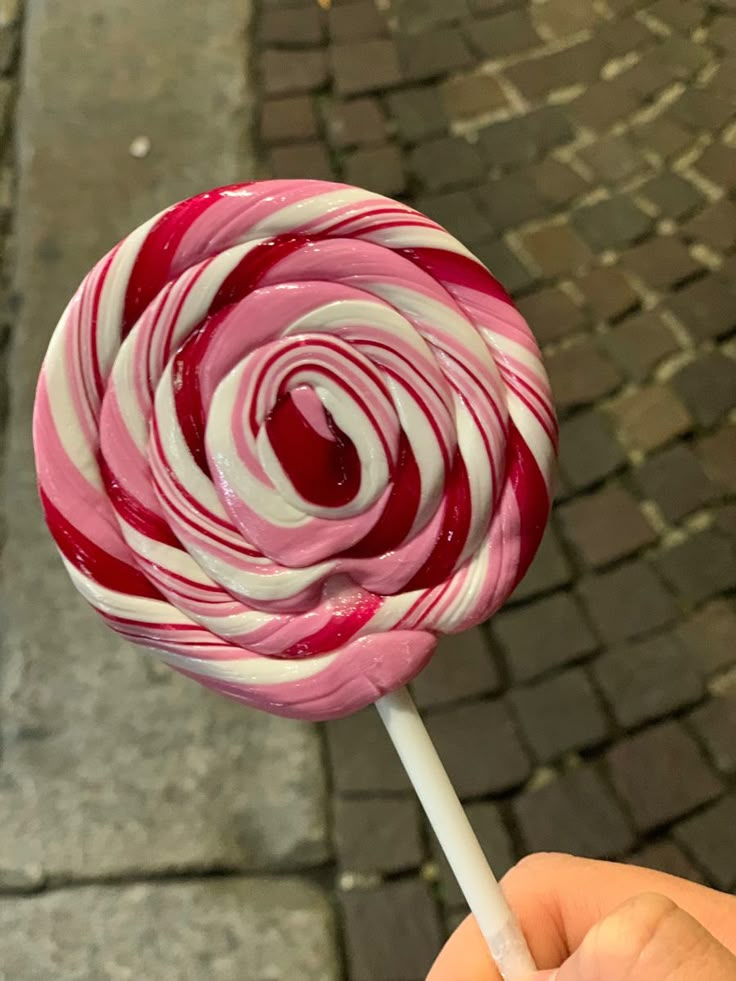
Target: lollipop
[{"x": 286, "y": 434}]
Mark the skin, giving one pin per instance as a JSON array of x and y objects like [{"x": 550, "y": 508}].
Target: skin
[{"x": 599, "y": 921}]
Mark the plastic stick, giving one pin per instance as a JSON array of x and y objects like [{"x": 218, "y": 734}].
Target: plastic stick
[{"x": 455, "y": 835}]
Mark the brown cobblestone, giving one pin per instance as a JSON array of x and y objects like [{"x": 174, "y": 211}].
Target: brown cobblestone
[
  {"x": 605, "y": 526},
  {"x": 650, "y": 418},
  {"x": 640, "y": 343},
  {"x": 581, "y": 374},
  {"x": 359, "y": 122},
  {"x": 379, "y": 169},
  {"x": 365, "y": 66},
  {"x": 466, "y": 96}
]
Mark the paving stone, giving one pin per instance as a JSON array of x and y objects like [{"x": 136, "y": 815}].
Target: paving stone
[
  {"x": 650, "y": 417},
  {"x": 526, "y": 138},
  {"x": 710, "y": 837},
  {"x": 556, "y": 182},
  {"x": 602, "y": 105},
  {"x": 718, "y": 453},
  {"x": 356, "y": 22},
  {"x": 556, "y": 249},
  {"x": 722, "y": 32},
  {"x": 611, "y": 224},
  {"x": 462, "y": 667},
  {"x": 505, "y": 266},
  {"x": 706, "y": 307},
  {"x": 675, "y": 480},
  {"x": 724, "y": 518},
  {"x": 458, "y": 731},
  {"x": 378, "y": 835},
  {"x": 458, "y": 212},
  {"x": 721, "y": 88},
  {"x": 504, "y": 34},
  {"x": 699, "y": 109},
  {"x": 433, "y": 53},
  {"x": 648, "y": 679},
  {"x": 718, "y": 164},
  {"x": 9, "y": 47},
  {"x": 560, "y": 714},
  {"x": 302, "y": 160},
  {"x": 680, "y": 15},
  {"x": 494, "y": 839},
  {"x": 493, "y": 6},
  {"x": 510, "y": 201},
  {"x": 581, "y": 374},
  {"x": 365, "y": 66},
  {"x": 710, "y": 635},
  {"x": 362, "y": 758},
  {"x": 378, "y": 168},
  {"x": 607, "y": 292},
  {"x": 288, "y": 120},
  {"x": 715, "y": 226},
  {"x": 538, "y": 77},
  {"x": 216, "y": 928},
  {"x": 613, "y": 159},
  {"x": 543, "y": 635},
  {"x": 661, "y": 262},
  {"x": 391, "y": 932},
  {"x": 563, "y": 18},
  {"x": 418, "y": 114},
  {"x": 466, "y": 96},
  {"x": 359, "y": 122},
  {"x": 299, "y": 27},
  {"x": 110, "y": 763},
  {"x": 551, "y": 314},
  {"x": 446, "y": 162},
  {"x": 701, "y": 567},
  {"x": 291, "y": 72},
  {"x": 7, "y": 101},
  {"x": 707, "y": 386},
  {"x": 647, "y": 78},
  {"x": 549, "y": 569},
  {"x": 623, "y": 35},
  {"x": 588, "y": 450},
  {"x": 682, "y": 56},
  {"x": 640, "y": 343},
  {"x": 627, "y": 601},
  {"x": 663, "y": 136},
  {"x": 672, "y": 195},
  {"x": 666, "y": 856},
  {"x": 642, "y": 768},
  {"x": 714, "y": 723},
  {"x": 577, "y": 814},
  {"x": 415, "y": 16},
  {"x": 606, "y": 525}
]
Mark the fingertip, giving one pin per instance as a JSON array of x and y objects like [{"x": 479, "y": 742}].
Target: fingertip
[{"x": 465, "y": 957}]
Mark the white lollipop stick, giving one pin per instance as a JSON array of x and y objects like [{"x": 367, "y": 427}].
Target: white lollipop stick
[{"x": 457, "y": 839}]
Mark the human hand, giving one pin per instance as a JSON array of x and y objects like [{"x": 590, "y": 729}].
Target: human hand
[{"x": 599, "y": 921}]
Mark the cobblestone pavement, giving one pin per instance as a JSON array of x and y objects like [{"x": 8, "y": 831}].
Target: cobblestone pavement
[{"x": 587, "y": 152}]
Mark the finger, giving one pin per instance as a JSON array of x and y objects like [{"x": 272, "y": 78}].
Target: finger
[
  {"x": 558, "y": 898},
  {"x": 648, "y": 938},
  {"x": 465, "y": 957}
]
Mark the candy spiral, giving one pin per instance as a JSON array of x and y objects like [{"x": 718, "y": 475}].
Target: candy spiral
[{"x": 288, "y": 432}]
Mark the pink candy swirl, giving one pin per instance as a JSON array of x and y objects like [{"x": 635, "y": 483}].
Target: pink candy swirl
[{"x": 288, "y": 432}]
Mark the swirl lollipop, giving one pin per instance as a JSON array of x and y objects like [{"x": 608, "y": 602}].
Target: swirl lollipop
[{"x": 286, "y": 434}]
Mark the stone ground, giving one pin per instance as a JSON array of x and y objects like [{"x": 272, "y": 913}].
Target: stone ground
[{"x": 587, "y": 152}]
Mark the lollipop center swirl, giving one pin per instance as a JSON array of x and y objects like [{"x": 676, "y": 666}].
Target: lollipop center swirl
[{"x": 319, "y": 459}]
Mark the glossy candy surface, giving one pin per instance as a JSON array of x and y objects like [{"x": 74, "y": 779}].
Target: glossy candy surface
[{"x": 285, "y": 434}]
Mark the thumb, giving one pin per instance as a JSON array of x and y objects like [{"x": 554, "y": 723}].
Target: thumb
[{"x": 649, "y": 938}]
